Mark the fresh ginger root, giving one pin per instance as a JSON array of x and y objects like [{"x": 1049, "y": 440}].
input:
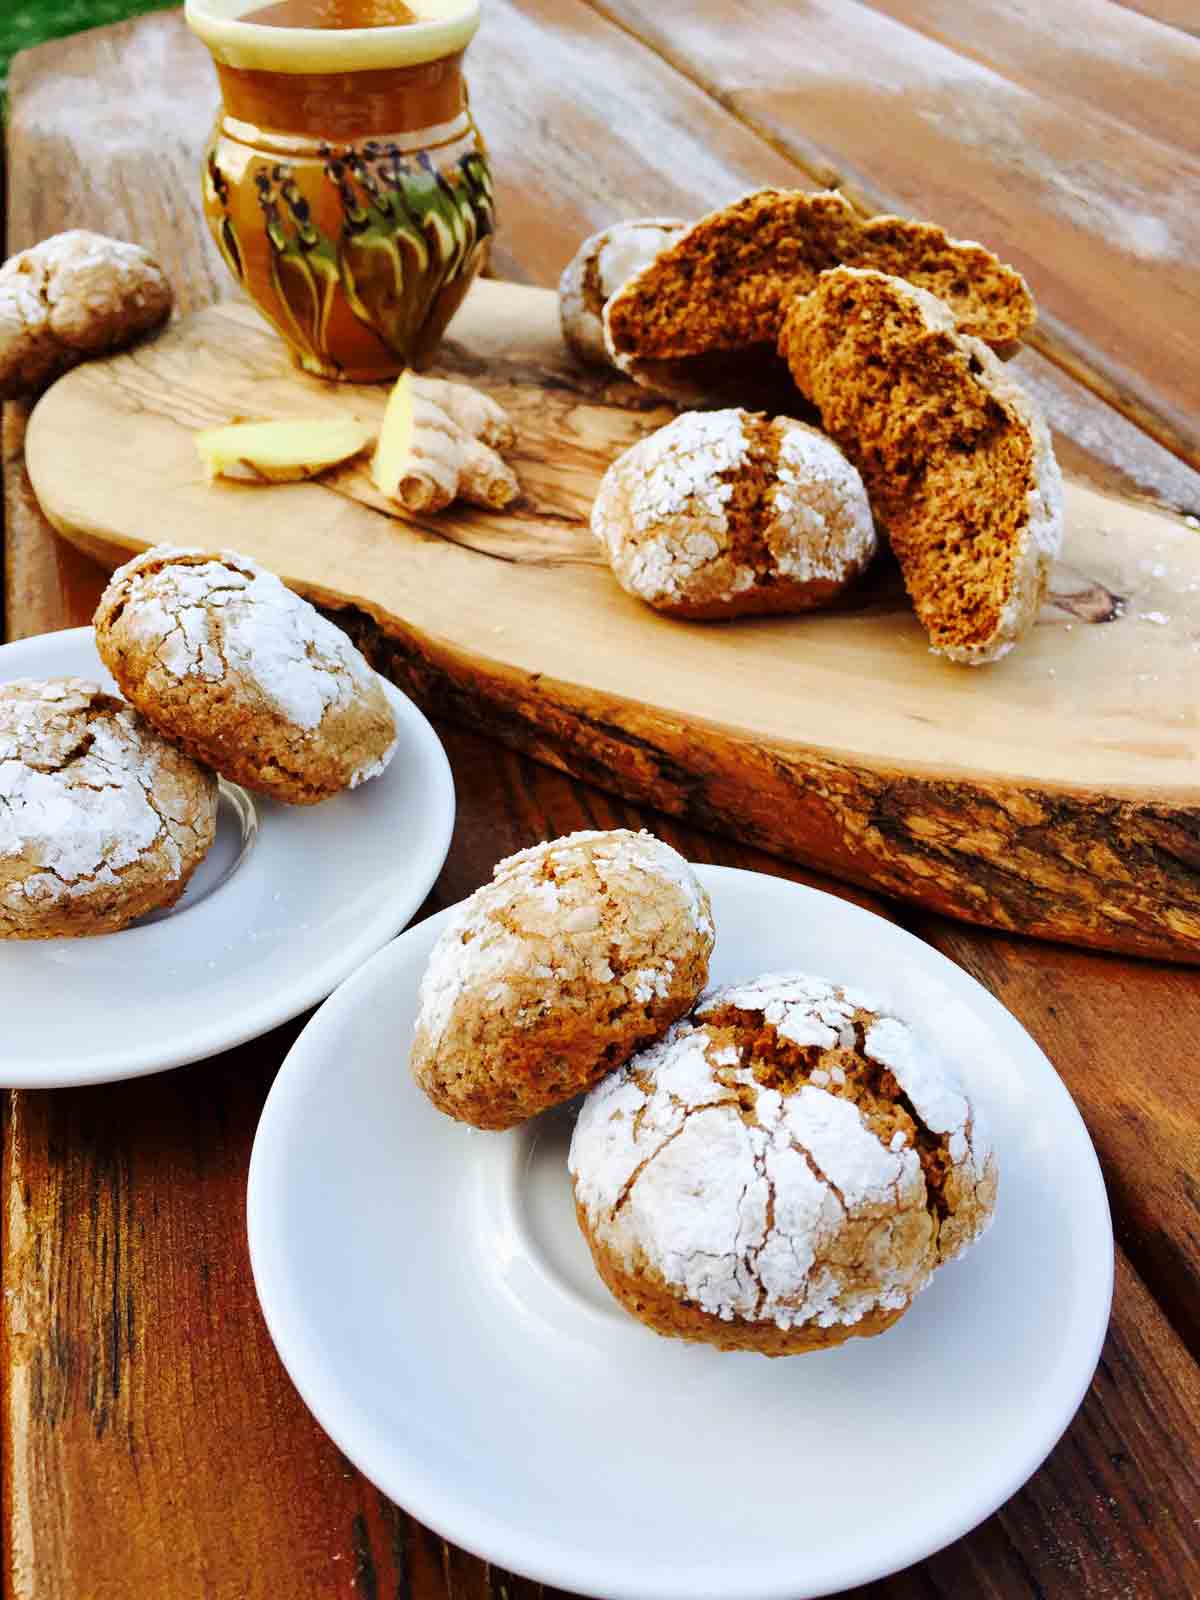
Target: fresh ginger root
[
  {"x": 283, "y": 451},
  {"x": 477, "y": 414},
  {"x": 72, "y": 296},
  {"x": 426, "y": 457}
]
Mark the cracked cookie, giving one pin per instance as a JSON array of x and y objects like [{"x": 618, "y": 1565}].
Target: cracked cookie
[
  {"x": 101, "y": 820},
  {"x": 244, "y": 674},
  {"x": 576, "y": 954},
  {"x": 784, "y": 1171},
  {"x": 956, "y": 457},
  {"x": 724, "y": 284},
  {"x": 726, "y": 513},
  {"x": 603, "y": 262}
]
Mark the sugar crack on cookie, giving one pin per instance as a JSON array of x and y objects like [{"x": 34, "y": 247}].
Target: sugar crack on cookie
[
  {"x": 725, "y": 513},
  {"x": 243, "y": 673},
  {"x": 101, "y": 820},
  {"x": 783, "y": 1171},
  {"x": 577, "y": 953}
]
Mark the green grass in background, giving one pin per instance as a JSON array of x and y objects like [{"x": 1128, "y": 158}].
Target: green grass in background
[{"x": 26, "y": 22}]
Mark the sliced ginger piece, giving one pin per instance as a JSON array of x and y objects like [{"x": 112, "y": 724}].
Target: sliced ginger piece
[
  {"x": 425, "y": 459},
  {"x": 282, "y": 451}
]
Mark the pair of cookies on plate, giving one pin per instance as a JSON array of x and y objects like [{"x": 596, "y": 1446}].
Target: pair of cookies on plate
[
  {"x": 888, "y": 329},
  {"x": 108, "y": 808},
  {"x": 778, "y": 1165}
]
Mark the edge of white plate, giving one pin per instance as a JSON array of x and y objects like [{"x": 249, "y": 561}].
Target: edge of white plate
[
  {"x": 497, "y": 1541},
  {"x": 110, "y": 1066}
]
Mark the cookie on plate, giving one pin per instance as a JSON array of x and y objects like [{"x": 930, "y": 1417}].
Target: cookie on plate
[
  {"x": 244, "y": 674},
  {"x": 576, "y": 954},
  {"x": 101, "y": 820},
  {"x": 603, "y": 262},
  {"x": 725, "y": 513},
  {"x": 724, "y": 284},
  {"x": 956, "y": 457},
  {"x": 784, "y": 1171}
]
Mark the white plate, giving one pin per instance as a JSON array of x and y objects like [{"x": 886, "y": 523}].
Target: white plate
[
  {"x": 436, "y": 1307},
  {"x": 289, "y": 901}
]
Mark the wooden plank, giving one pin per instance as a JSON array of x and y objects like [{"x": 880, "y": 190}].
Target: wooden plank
[
  {"x": 96, "y": 1504},
  {"x": 1080, "y": 54},
  {"x": 1179, "y": 14},
  {"x": 988, "y": 159},
  {"x": 143, "y": 1393},
  {"x": 1056, "y": 792}
]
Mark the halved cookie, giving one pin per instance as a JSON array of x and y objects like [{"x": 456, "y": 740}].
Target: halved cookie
[
  {"x": 724, "y": 285},
  {"x": 956, "y": 457}
]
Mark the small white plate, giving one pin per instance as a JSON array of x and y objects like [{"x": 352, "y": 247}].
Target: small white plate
[
  {"x": 289, "y": 901},
  {"x": 436, "y": 1307}
]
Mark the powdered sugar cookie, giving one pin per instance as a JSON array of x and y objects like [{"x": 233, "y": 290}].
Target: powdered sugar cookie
[
  {"x": 784, "y": 1171},
  {"x": 101, "y": 820},
  {"x": 244, "y": 674},
  {"x": 724, "y": 513},
  {"x": 603, "y": 262},
  {"x": 576, "y": 954}
]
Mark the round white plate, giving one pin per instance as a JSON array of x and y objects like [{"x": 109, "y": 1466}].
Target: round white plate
[
  {"x": 430, "y": 1295},
  {"x": 289, "y": 901}
]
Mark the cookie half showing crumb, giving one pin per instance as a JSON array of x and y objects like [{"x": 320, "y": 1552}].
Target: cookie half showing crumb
[
  {"x": 244, "y": 674},
  {"x": 781, "y": 1173},
  {"x": 724, "y": 284},
  {"x": 101, "y": 820},
  {"x": 578, "y": 953},
  {"x": 727, "y": 513},
  {"x": 956, "y": 457},
  {"x": 603, "y": 262}
]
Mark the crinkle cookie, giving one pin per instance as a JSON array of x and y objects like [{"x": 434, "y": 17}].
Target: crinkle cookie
[
  {"x": 957, "y": 458},
  {"x": 576, "y": 954},
  {"x": 784, "y": 1171},
  {"x": 724, "y": 513},
  {"x": 244, "y": 674},
  {"x": 73, "y": 296},
  {"x": 101, "y": 820},
  {"x": 603, "y": 262}
]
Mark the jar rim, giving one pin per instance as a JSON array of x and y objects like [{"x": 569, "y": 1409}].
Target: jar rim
[{"x": 447, "y": 27}]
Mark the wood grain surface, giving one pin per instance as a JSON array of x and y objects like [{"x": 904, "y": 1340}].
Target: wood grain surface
[
  {"x": 1057, "y": 793},
  {"x": 1014, "y": 165},
  {"x": 152, "y": 1444}
]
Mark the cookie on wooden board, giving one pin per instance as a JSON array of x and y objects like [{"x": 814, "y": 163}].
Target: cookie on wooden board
[
  {"x": 576, "y": 954},
  {"x": 781, "y": 1173},
  {"x": 101, "y": 820},
  {"x": 957, "y": 458},
  {"x": 244, "y": 674},
  {"x": 603, "y": 262},
  {"x": 727, "y": 513},
  {"x": 723, "y": 286}
]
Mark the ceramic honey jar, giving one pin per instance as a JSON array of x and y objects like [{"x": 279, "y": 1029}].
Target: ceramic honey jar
[{"x": 345, "y": 182}]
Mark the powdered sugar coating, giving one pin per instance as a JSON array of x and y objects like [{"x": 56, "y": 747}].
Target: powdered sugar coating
[
  {"x": 575, "y": 954},
  {"x": 663, "y": 513},
  {"x": 221, "y": 623},
  {"x": 603, "y": 262},
  {"x": 95, "y": 810},
  {"x": 74, "y": 295},
  {"x": 766, "y": 1205}
]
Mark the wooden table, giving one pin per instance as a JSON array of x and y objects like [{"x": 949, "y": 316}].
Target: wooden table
[{"x": 153, "y": 1445}]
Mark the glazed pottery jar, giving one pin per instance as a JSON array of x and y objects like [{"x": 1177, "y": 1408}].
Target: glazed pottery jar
[{"x": 345, "y": 182}]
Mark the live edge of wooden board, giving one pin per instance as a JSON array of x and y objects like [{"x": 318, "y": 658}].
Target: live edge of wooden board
[{"x": 1055, "y": 794}]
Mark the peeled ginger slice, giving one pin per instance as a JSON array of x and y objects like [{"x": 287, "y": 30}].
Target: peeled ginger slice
[{"x": 281, "y": 452}]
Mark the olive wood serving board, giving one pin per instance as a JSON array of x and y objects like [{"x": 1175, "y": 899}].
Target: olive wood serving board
[{"x": 1056, "y": 793}]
